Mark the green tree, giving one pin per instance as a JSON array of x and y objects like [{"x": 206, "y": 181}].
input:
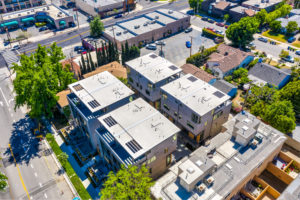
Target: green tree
[
  {"x": 265, "y": 94},
  {"x": 226, "y": 17},
  {"x": 127, "y": 51},
  {"x": 292, "y": 92},
  {"x": 258, "y": 108},
  {"x": 291, "y": 27},
  {"x": 198, "y": 59},
  {"x": 281, "y": 116},
  {"x": 63, "y": 158},
  {"x": 84, "y": 68},
  {"x": 193, "y": 5},
  {"x": 123, "y": 54},
  {"x": 275, "y": 26},
  {"x": 241, "y": 33},
  {"x": 39, "y": 77},
  {"x": 3, "y": 182},
  {"x": 134, "y": 52},
  {"x": 283, "y": 54},
  {"x": 240, "y": 76},
  {"x": 88, "y": 64},
  {"x": 92, "y": 64},
  {"x": 261, "y": 16},
  {"x": 128, "y": 183},
  {"x": 96, "y": 27}
]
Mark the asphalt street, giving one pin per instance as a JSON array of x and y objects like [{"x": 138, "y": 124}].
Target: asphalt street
[{"x": 31, "y": 173}]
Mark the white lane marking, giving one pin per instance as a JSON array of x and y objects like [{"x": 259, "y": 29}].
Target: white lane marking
[
  {"x": 40, "y": 184},
  {"x": 45, "y": 195},
  {"x": 31, "y": 197},
  {"x": 11, "y": 115},
  {"x": 1, "y": 103},
  {"x": 14, "y": 120},
  {"x": 4, "y": 97},
  {"x": 35, "y": 174},
  {"x": 10, "y": 100},
  {"x": 31, "y": 166}
]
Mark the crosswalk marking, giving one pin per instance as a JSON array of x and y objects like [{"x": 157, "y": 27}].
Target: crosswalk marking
[{"x": 10, "y": 57}]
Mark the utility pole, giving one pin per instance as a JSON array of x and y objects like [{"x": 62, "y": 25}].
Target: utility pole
[
  {"x": 197, "y": 7},
  {"x": 76, "y": 9},
  {"x": 191, "y": 46},
  {"x": 113, "y": 29},
  {"x": 8, "y": 36}
]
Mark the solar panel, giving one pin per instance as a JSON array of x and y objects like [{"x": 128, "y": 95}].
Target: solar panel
[
  {"x": 218, "y": 94},
  {"x": 173, "y": 67},
  {"x": 192, "y": 78},
  {"x": 153, "y": 56},
  {"x": 110, "y": 121},
  {"x": 77, "y": 87},
  {"x": 133, "y": 146},
  {"x": 94, "y": 104}
]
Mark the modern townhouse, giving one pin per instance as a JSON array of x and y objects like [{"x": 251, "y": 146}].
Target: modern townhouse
[
  {"x": 196, "y": 106},
  {"x": 93, "y": 97},
  {"x": 148, "y": 73},
  {"x": 137, "y": 134}
]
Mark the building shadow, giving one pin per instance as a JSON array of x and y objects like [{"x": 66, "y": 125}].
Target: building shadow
[{"x": 23, "y": 143}]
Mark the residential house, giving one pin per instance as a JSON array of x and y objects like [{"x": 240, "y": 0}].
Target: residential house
[
  {"x": 114, "y": 68},
  {"x": 199, "y": 73},
  {"x": 148, "y": 73},
  {"x": 227, "y": 59},
  {"x": 220, "y": 8},
  {"x": 284, "y": 22},
  {"x": 93, "y": 97},
  {"x": 137, "y": 134},
  {"x": 268, "y": 5},
  {"x": 62, "y": 102},
  {"x": 229, "y": 165},
  {"x": 205, "y": 5},
  {"x": 262, "y": 74},
  {"x": 239, "y": 12},
  {"x": 196, "y": 106},
  {"x": 226, "y": 87}
]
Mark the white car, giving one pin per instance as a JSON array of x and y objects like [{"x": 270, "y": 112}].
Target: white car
[
  {"x": 160, "y": 43},
  {"x": 220, "y": 32},
  {"x": 151, "y": 46},
  {"x": 16, "y": 47}
]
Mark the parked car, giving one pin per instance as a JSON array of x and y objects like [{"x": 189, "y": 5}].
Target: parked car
[
  {"x": 81, "y": 50},
  {"x": 288, "y": 59},
  {"x": 220, "y": 24},
  {"x": 190, "y": 29},
  {"x": 16, "y": 47},
  {"x": 77, "y": 48},
  {"x": 151, "y": 46},
  {"x": 220, "y": 32},
  {"x": 298, "y": 52},
  {"x": 291, "y": 39},
  {"x": 118, "y": 16},
  {"x": 43, "y": 28},
  {"x": 211, "y": 21},
  {"x": 23, "y": 28},
  {"x": 251, "y": 44},
  {"x": 211, "y": 29},
  {"x": 190, "y": 12},
  {"x": 160, "y": 43},
  {"x": 84, "y": 52},
  {"x": 188, "y": 44},
  {"x": 204, "y": 18},
  {"x": 263, "y": 39}
]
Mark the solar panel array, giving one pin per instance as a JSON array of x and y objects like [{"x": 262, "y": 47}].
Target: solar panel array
[
  {"x": 94, "y": 104},
  {"x": 77, "y": 87},
  {"x": 218, "y": 94},
  {"x": 192, "y": 78},
  {"x": 133, "y": 146},
  {"x": 173, "y": 67},
  {"x": 110, "y": 121},
  {"x": 153, "y": 56}
]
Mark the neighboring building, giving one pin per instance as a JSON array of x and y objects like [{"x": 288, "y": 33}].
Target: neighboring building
[
  {"x": 268, "y": 5},
  {"x": 227, "y": 59},
  {"x": 51, "y": 14},
  {"x": 292, "y": 192},
  {"x": 137, "y": 134},
  {"x": 62, "y": 102},
  {"x": 239, "y": 12},
  {"x": 11, "y": 5},
  {"x": 228, "y": 165},
  {"x": 205, "y": 5},
  {"x": 148, "y": 73},
  {"x": 199, "y": 73},
  {"x": 147, "y": 28},
  {"x": 262, "y": 74},
  {"x": 114, "y": 68},
  {"x": 196, "y": 106},
  {"x": 91, "y": 43},
  {"x": 294, "y": 12},
  {"x": 104, "y": 8},
  {"x": 226, "y": 87},
  {"x": 220, "y": 8},
  {"x": 284, "y": 22},
  {"x": 93, "y": 97}
]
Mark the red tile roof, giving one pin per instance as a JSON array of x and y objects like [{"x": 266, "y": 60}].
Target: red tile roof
[
  {"x": 222, "y": 5},
  {"x": 199, "y": 73}
]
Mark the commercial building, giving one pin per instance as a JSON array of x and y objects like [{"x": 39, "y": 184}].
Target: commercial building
[
  {"x": 229, "y": 167},
  {"x": 268, "y": 5},
  {"x": 148, "y": 27},
  {"x": 93, "y": 97},
  {"x": 51, "y": 14},
  {"x": 104, "y": 8},
  {"x": 195, "y": 105},
  {"x": 11, "y": 5},
  {"x": 148, "y": 73},
  {"x": 137, "y": 134}
]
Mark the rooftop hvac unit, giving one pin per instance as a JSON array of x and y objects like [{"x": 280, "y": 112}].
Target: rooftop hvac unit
[
  {"x": 170, "y": 11},
  {"x": 126, "y": 31},
  {"x": 137, "y": 26},
  {"x": 201, "y": 188},
  {"x": 28, "y": 13},
  {"x": 48, "y": 8},
  {"x": 156, "y": 17},
  {"x": 210, "y": 180},
  {"x": 146, "y": 24},
  {"x": 118, "y": 33},
  {"x": 44, "y": 9},
  {"x": 19, "y": 15},
  {"x": 153, "y": 21}
]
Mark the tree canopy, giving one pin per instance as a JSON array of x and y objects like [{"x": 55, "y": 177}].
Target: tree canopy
[
  {"x": 291, "y": 27},
  {"x": 275, "y": 26},
  {"x": 292, "y": 92},
  {"x": 128, "y": 183},
  {"x": 193, "y": 4},
  {"x": 96, "y": 27},
  {"x": 199, "y": 59},
  {"x": 241, "y": 33},
  {"x": 39, "y": 77},
  {"x": 3, "y": 182},
  {"x": 261, "y": 16},
  {"x": 129, "y": 53}
]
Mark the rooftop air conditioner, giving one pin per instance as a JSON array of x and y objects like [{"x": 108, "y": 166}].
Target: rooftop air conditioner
[
  {"x": 44, "y": 9},
  {"x": 170, "y": 11},
  {"x": 19, "y": 15},
  {"x": 201, "y": 188},
  {"x": 146, "y": 24},
  {"x": 126, "y": 31},
  {"x": 156, "y": 17},
  {"x": 137, "y": 26},
  {"x": 118, "y": 33},
  {"x": 210, "y": 180},
  {"x": 153, "y": 21},
  {"x": 48, "y": 8}
]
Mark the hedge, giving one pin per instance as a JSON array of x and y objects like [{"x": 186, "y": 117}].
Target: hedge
[
  {"x": 68, "y": 168},
  {"x": 211, "y": 34}
]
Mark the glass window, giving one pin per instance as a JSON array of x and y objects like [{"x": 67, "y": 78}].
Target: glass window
[
  {"x": 151, "y": 159},
  {"x": 150, "y": 86},
  {"x": 190, "y": 125},
  {"x": 166, "y": 107},
  {"x": 147, "y": 92},
  {"x": 166, "y": 150},
  {"x": 164, "y": 96},
  {"x": 195, "y": 118},
  {"x": 174, "y": 137},
  {"x": 169, "y": 159}
]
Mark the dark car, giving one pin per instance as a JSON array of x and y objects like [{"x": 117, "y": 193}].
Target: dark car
[
  {"x": 220, "y": 24},
  {"x": 188, "y": 44},
  {"x": 118, "y": 16},
  {"x": 263, "y": 39},
  {"x": 77, "y": 48},
  {"x": 190, "y": 29},
  {"x": 190, "y": 12},
  {"x": 23, "y": 28},
  {"x": 291, "y": 39},
  {"x": 298, "y": 52},
  {"x": 204, "y": 18},
  {"x": 288, "y": 59},
  {"x": 211, "y": 21},
  {"x": 43, "y": 28}
]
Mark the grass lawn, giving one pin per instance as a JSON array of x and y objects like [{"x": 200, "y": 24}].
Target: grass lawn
[
  {"x": 275, "y": 36},
  {"x": 296, "y": 43},
  {"x": 68, "y": 168}
]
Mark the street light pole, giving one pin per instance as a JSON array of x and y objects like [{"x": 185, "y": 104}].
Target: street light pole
[
  {"x": 191, "y": 46},
  {"x": 76, "y": 9}
]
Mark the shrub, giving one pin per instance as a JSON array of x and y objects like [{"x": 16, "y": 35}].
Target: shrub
[{"x": 211, "y": 34}]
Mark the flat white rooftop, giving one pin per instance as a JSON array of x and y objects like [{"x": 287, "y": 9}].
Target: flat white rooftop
[
  {"x": 99, "y": 3},
  {"x": 196, "y": 94},
  {"x": 100, "y": 91},
  {"x": 153, "y": 67},
  {"x": 138, "y": 124},
  {"x": 119, "y": 33}
]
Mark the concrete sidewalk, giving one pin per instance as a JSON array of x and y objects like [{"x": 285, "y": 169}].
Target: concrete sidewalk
[{"x": 281, "y": 44}]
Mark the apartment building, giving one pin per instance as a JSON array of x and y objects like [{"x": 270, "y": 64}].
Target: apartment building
[
  {"x": 93, "y": 97},
  {"x": 137, "y": 134},
  {"x": 229, "y": 167},
  {"x": 148, "y": 73},
  {"x": 14, "y": 5},
  {"x": 196, "y": 106}
]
